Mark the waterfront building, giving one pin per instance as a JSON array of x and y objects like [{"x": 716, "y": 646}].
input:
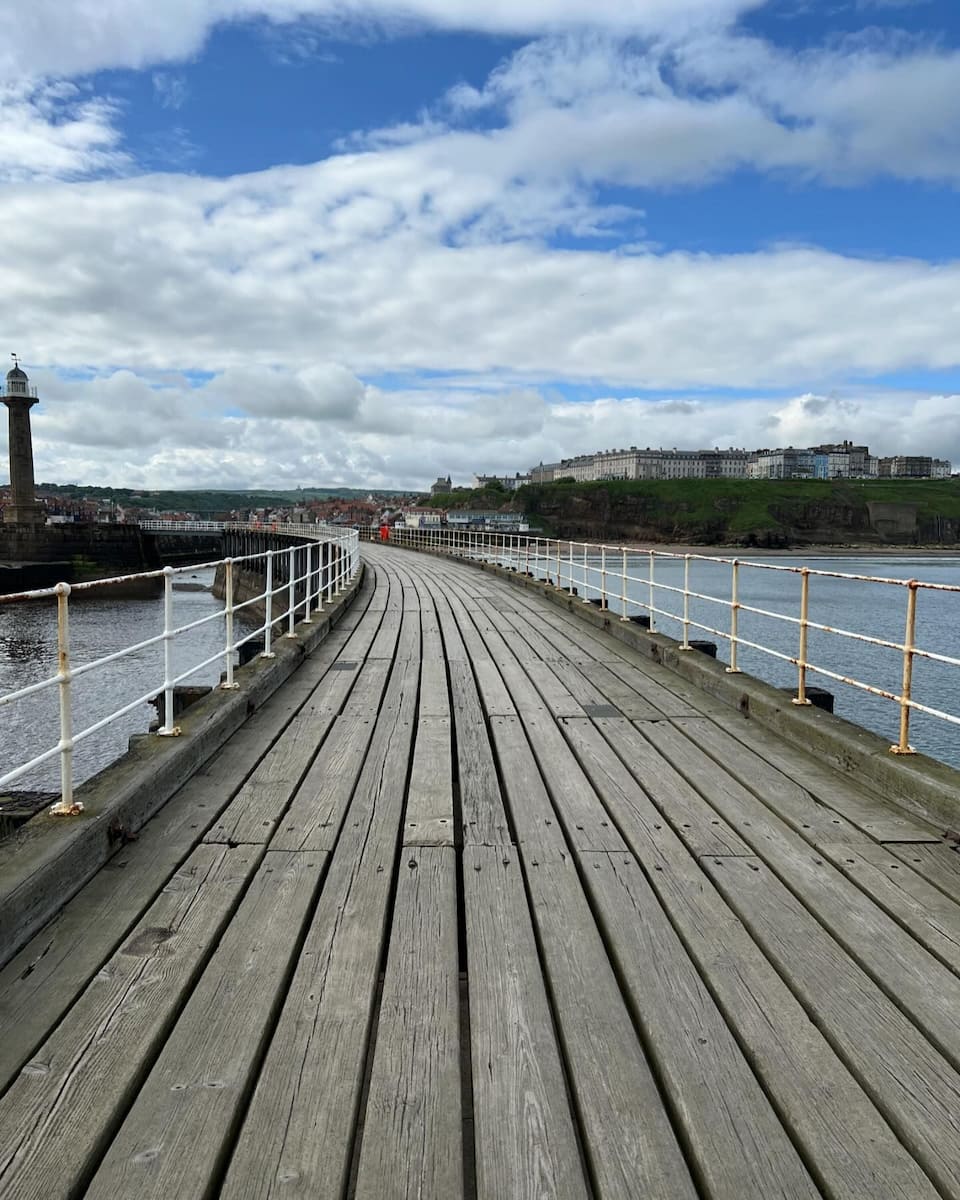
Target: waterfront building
[
  {"x": 616, "y": 464},
  {"x": 789, "y": 463},
  {"x": 422, "y": 518},
  {"x": 544, "y": 472},
  {"x": 510, "y": 482},
  {"x": 725, "y": 464},
  {"x": 911, "y": 466},
  {"x": 839, "y": 460}
]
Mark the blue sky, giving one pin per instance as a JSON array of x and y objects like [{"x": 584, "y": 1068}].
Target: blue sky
[{"x": 369, "y": 243}]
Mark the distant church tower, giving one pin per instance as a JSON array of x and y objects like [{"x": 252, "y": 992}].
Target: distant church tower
[{"x": 19, "y": 397}]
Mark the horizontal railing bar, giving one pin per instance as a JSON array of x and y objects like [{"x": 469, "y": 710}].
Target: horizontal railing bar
[{"x": 344, "y": 562}]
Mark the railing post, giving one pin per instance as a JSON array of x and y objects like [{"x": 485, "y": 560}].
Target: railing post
[
  {"x": 570, "y": 568},
  {"x": 168, "y": 729},
  {"x": 228, "y": 684},
  {"x": 559, "y": 583},
  {"x": 603, "y": 577},
  {"x": 652, "y": 595},
  {"x": 909, "y": 646},
  {"x": 307, "y": 582},
  {"x": 318, "y": 575},
  {"x": 623, "y": 585},
  {"x": 733, "y": 669},
  {"x": 686, "y": 603},
  {"x": 801, "y": 696},
  {"x": 586, "y": 575},
  {"x": 65, "y": 806},
  {"x": 268, "y": 610},
  {"x": 291, "y": 592}
]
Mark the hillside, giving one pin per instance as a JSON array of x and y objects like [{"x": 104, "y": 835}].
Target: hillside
[
  {"x": 742, "y": 512},
  {"x": 202, "y": 501}
]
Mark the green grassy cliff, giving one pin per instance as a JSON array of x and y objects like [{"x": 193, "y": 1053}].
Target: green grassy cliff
[{"x": 740, "y": 511}]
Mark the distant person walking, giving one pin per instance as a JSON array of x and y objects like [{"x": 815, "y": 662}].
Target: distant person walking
[{"x": 384, "y": 532}]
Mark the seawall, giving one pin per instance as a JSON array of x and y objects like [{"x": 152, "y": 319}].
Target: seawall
[{"x": 40, "y": 556}]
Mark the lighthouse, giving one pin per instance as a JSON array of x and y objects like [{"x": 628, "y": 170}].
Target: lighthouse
[{"x": 19, "y": 397}]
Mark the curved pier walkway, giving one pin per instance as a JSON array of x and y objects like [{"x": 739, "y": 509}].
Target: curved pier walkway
[{"x": 484, "y": 904}]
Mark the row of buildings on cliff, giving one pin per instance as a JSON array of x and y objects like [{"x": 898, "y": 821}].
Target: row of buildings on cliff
[{"x": 841, "y": 460}]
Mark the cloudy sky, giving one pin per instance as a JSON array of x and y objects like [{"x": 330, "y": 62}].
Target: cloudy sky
[{"x": 365, "y": 242}]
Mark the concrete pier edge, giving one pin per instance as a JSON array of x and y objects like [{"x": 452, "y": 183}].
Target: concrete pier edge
[
  {"x": 919, "y": 784},
  {"x": 49, "y": 859}
]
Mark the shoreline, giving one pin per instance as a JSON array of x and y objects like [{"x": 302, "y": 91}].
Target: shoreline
[
  {"x": 743, "y": 553},
  {"x": 813, "y": 551}
]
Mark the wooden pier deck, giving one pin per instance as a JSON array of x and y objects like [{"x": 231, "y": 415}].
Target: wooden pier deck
[{"x": 484, "y": 904}]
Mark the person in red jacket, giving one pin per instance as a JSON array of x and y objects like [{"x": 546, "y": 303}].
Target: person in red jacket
[{"x": 384, "y": 532}]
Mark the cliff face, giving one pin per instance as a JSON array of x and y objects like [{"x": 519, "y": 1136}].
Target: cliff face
[{"x": 752, "y": 513}]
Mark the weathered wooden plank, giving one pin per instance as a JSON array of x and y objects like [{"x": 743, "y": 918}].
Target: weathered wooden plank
[
  {"x": 555, "y": 693},
  {"x": 923, "y": 987},
  {"x": 629, "y": 701},
  {"x": 385, "y": 643},
  {"x": 363, "y": 739},
  {"x": 453, "y": 648},
  {"x": 735, "y": 1139},
  {"x": 430, "y": 631},
  {"x": 586, "y": 823},
  {"x": 535, "y": 820},
  {"x": 316, "y": 812},
  {"x": 627, "y": 1134},
  {"x": 494, "y": 694},
  {"x": 526, "y": 1145},
  {"x": 57, "y": 1115},
  {"x": 524, "y": 641},
  {"x": 815, "y": 821},
  {"x": 298, "y": 1132},
  {"x": 839, "y": 1131},
  {"x": 434, "y": 690},
  {"x": 40, "y": 982},
  {"x": 914, "y": 902},
  {"x": 411, "y": 1144},
  {"x": 429, "y": 818},
  {"x": 370, "y": 682},
  {"x": 875, "y": 815},
  {"x": 915, "y": 1088},
  {"x": 173, "y": 1140},
  {"x": 555, "y": 644},
  {"x": 642, "y": 791},
  {"x": 257, "y": 809},
  {"x": 939, "y": 864},
  {"x": 483, "y": 815},
  {"x": 666, "y": 692}
]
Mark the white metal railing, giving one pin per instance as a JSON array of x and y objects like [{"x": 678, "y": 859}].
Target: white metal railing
[
  {"x": 301, "y": 528},
  {"x": 307, "y": 580},
  {"x": 612, "y": 574}
]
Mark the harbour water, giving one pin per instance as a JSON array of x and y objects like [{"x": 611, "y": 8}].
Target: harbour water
[
  {"x": 873, "y": 609},
  {"x": 100, "y": 625}
]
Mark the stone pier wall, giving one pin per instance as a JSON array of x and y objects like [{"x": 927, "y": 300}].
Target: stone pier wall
[{"x": 40, "y": 555}]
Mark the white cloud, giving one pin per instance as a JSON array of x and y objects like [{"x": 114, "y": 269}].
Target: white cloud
[
  {"x": 169, "y": 89},
  {"x": 119, "y": 430},
  {"x": 56, "y": 131},
  {"x": 351, "y": 260},
  {"x": 425, "y": 247},
  {"x": 75, "y": 37}
]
